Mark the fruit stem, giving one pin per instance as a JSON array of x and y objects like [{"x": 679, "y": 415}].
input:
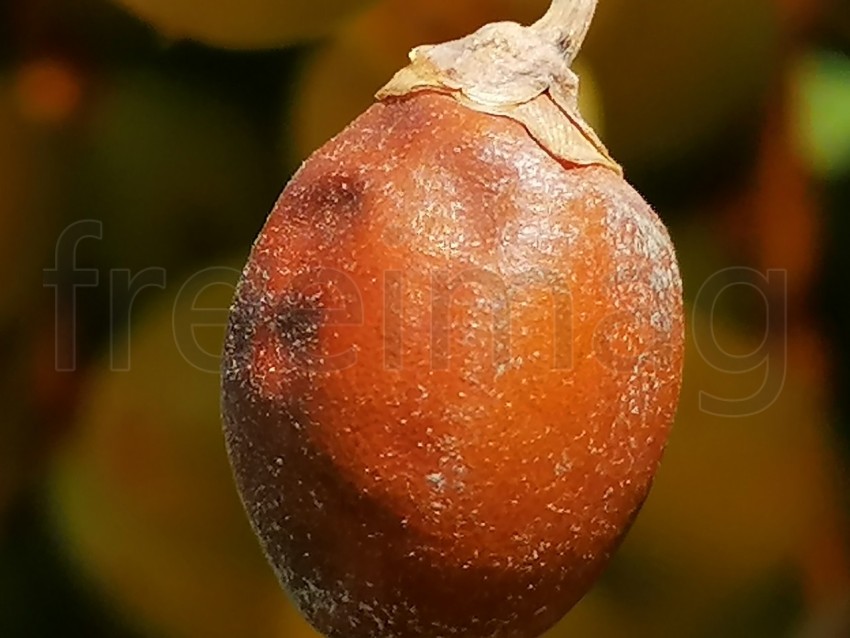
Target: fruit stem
[{"x": 567, "y": 23}]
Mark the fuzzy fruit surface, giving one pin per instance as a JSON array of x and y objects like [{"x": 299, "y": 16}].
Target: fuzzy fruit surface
[{"x": 449, "y": 374}]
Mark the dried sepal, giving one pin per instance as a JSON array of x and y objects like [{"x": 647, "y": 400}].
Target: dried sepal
[{"x": 510, "y": 70}]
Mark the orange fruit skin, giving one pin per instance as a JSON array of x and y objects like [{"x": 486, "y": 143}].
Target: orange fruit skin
[{"x": 449, "y": 375}]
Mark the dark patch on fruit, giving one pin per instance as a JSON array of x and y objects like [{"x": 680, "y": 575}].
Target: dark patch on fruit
[
  {"x": 330, "y": 199},
  {"x": 297, "y": 322}
]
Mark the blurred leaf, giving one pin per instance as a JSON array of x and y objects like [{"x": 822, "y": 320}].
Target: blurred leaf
[{"x": 823, "y": 85}]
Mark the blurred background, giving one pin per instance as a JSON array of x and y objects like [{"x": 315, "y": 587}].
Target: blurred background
[{"x": 142, "y": 143}]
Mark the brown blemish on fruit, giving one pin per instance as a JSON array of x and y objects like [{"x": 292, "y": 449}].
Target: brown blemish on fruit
[
  {"x": 328, "y": 202},
  {"x": 297, "y": 323}
]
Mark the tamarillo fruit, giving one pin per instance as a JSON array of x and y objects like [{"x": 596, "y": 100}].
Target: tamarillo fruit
[{"x": 455, "y": 352}]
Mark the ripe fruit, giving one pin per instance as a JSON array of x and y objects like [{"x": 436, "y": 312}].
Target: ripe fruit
[
  {"x": 247, "y": 24},
  {"x": 455, "y": 351}
]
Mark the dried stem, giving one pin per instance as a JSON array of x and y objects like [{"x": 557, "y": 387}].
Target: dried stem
[{"x": 567, "y": 22}]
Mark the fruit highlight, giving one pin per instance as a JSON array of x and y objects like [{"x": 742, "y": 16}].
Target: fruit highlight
[{"x": 455, "y": 351}]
